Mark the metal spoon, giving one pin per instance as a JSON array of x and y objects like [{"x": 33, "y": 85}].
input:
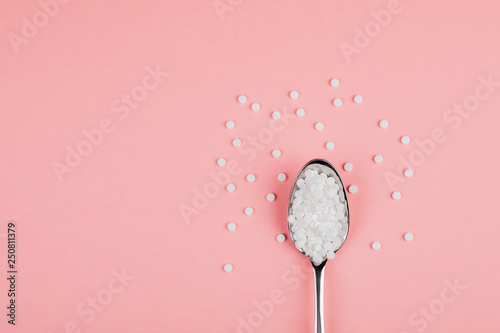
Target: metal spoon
[{"x": 320, "y": 166}]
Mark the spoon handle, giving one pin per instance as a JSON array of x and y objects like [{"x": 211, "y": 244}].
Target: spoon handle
[{"x": 319, "y": 277}]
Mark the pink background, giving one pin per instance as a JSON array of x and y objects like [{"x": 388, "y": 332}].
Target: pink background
[{"x": 119, "y": 208}]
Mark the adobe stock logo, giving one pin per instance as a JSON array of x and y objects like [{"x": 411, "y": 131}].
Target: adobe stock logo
[
  {"x": 223, "y": 6},
  {"x": 30, "y": 28},
  {"x": 363, "y": 37},
  {"x": 424, "y": 316},
  {"x": 251, "y": 147},
  {"x": 94, "y": 137},
  {"x": 455, "y": 116},
  {"x": 291, "y": 279},
  {"x": 94, "y": 305}
]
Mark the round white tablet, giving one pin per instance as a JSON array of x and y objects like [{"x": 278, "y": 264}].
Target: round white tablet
[
  {"x": 300, "y": 112},
  {"x": 242, "y": 99},
  {"x": 230, "y": 187},
  {"x": 230, "y": 124},
  {"x": 249, "y": 211},
  {"x": 281, "y": 238},
  {"x": 236, "y": 142},
  {"x": 276, "y": 153},
  {"x": 408, "y": 236},
  {"x": 337, "y": 102},
  {"x": 334, "y": 82},
  {"x": 228, "y": 267},
  {"x": 319, "y": 126},
  {"x": 396, "y": 195},
  {"x": 270, "y": 197},
  {"x": 330, "y": 145},
  {"x": 378, "y": 158},
  {"x": 408, "y": 173},
  {"x": 353, "y": 189},
  {"x": 250, "y": 177},
  {"x": 255, "y": 106},
  {"x": 231, "y": 226},
  {"x": 281, "y": 177},
  {"x": 383, "y": 123},
  {"x": 358, "y": 99},
  {"x": 221, "y": 161},
  {"x": 405, "y": 140},
  {"x": 294, "y": 94},
  {"x": 276, "y": 115},
  {"x": 348, "y": 167},
  {"x": 376, "y": 245}
]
